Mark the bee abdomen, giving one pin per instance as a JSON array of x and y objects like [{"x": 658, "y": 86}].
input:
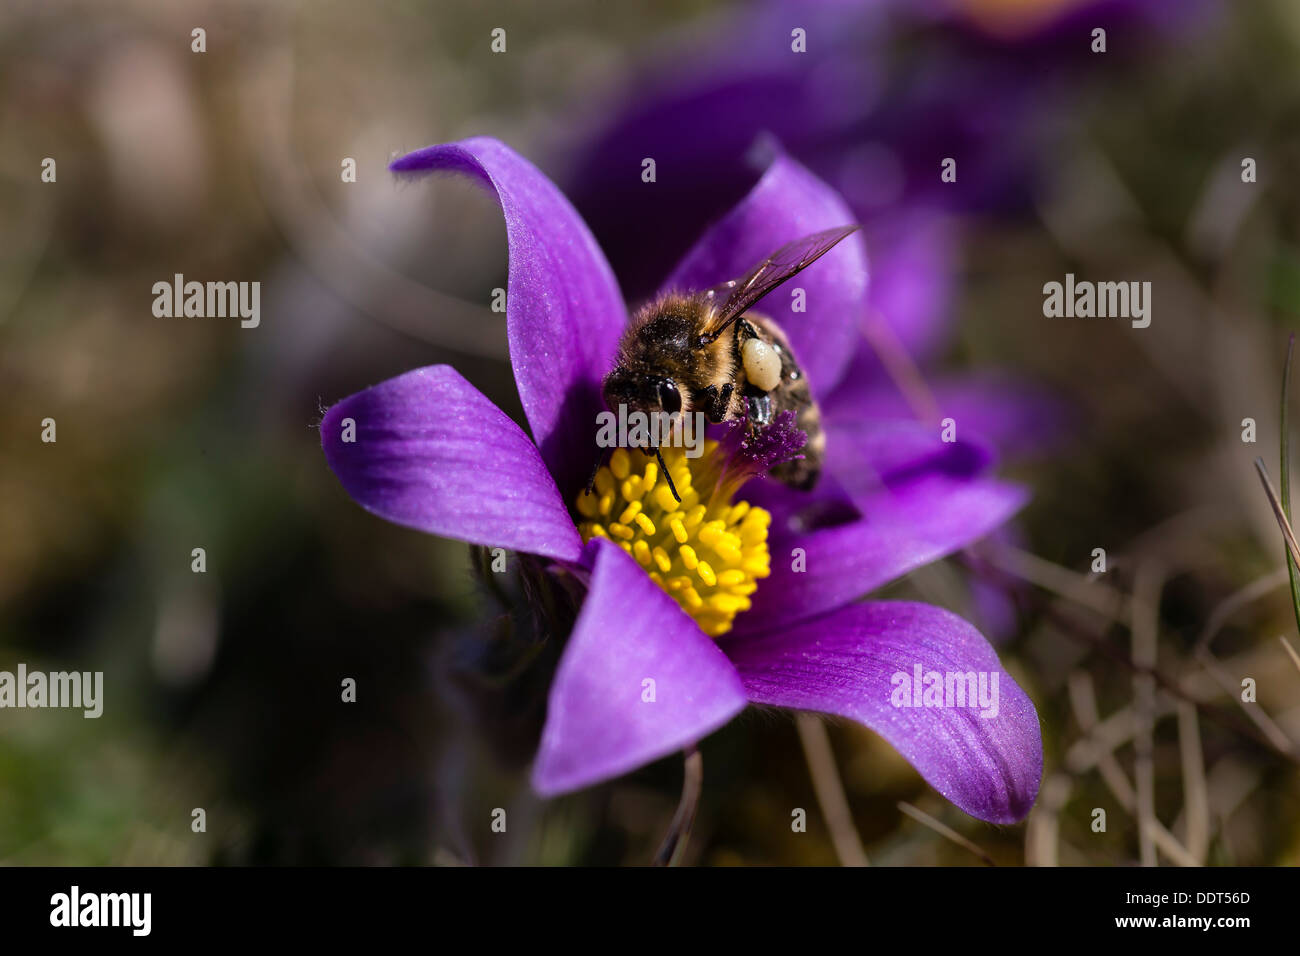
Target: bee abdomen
[
  {"x": 802, "y": 473},
  {"x": 761, "y": 340}
]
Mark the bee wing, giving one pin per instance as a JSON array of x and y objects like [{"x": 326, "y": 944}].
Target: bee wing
[{"x": 731, "y": 299}]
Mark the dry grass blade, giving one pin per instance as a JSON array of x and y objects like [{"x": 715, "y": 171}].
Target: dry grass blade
[
  {"x": 1284, "y": 455},
  {"x": 1144, "y": 628},
  {"x": 1071, "y": 585},
  {"x": 1278, "y": 513},
  {"x": 1224, "y": 610},
  {"x": 1043, "y": 830},
  {"x": 1093, "y": 750},
  {"x": 1295, "y": 658},
  {"x": 1196, "y": 801},
  {"x": 1267, "y": 725},
  {"x": 920, "y": 816},
  {"x": 1169, "y": 845}
]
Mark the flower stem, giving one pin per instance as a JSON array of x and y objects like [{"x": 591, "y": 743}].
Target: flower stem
[
  {"x": 830, "y": 791},
  {"x": 679, "y": 832}
]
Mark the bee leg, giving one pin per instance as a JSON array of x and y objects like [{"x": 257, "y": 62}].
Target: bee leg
[
  {"x": 724, "y": 400},
  {"x": 664, "y": 468},
  {"x": 707, "y": 398},
  {"x": 715, "y": 402},
  {"x": 600, "y": 460}
]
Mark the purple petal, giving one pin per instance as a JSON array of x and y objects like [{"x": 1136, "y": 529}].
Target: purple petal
[
  {"x": 988, "y": 764},
  {"x": 911, "y": 282},
  {"x": 865, "y": 378},
  {"x": 828, "y": 504},
  {"x": 789, "y": 203},
  {"x": 864, "y": 456},
  {"x": 564, "y": 312},
  {"x": 431, "y": 453},
  {"x": 598, "y": 723},
  {"x": 869, "y": 456},
  {"x": 1016, "y": 417},
  {"x": 918, "y": 504}
]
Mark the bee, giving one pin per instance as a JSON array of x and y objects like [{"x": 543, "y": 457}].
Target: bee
[{"x": 705, "y": 351}]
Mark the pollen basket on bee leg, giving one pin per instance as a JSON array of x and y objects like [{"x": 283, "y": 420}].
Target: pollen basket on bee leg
[{"x": 762, "y": 364}]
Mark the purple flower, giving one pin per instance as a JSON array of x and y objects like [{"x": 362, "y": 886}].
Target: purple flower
[
  {"x": 772, "y": 574},
  {"x": 883, "y": 94}
]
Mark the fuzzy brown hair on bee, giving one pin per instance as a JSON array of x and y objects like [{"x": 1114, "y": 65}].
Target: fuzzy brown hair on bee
[{"x": 705, "y": 351}]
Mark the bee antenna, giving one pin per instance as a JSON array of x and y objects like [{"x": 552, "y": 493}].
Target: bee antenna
[{"x": 664, "y": 468}]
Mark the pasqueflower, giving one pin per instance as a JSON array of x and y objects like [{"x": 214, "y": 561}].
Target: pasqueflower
[{"x": 743, "y": 592}]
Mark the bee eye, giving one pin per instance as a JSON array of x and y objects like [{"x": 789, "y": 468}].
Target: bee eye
[{"x": 669, "y": 398}]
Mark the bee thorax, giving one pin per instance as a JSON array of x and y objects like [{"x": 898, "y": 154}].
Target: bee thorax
[{"x": 762, "y": 364}]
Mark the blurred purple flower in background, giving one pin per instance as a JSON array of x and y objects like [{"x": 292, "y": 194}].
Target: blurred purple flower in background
[
  {"x": 979, "y": 81},
  {"x": 745, "y": 591}
]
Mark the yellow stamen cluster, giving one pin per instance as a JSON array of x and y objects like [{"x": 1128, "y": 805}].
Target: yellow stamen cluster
[{"x": 706, "y": 552}]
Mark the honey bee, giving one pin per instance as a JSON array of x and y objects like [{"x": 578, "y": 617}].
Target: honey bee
[{"x": 705, "y": 351}]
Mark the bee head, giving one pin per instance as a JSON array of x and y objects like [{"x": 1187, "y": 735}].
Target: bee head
[{"x": 641, "y": 392}]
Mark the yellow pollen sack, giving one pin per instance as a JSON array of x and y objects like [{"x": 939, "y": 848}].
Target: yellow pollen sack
[{"x": 706, "y": 552}]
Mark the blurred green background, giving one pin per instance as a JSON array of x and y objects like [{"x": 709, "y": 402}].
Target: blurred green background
[{"x": 222, "y": 689}]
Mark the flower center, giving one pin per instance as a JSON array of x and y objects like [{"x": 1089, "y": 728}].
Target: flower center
[{"x": 706, "y": 552}]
